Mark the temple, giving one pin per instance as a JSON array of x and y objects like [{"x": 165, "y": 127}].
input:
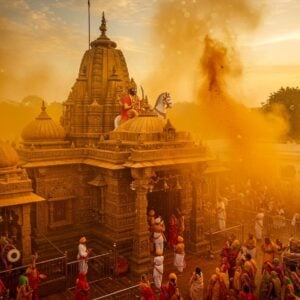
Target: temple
[{"x": 85, "y": 177}]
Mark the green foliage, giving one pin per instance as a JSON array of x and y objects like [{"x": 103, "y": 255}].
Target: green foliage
[
  {"x": 14, "y": 116},
  {"x": 289, "y": 100}
]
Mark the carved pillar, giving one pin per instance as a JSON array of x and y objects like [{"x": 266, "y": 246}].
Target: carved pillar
[
  {"x": 26, "y": 234},
  {"x": 140, "y": 260},
  {"x": 197, "y": 243}
]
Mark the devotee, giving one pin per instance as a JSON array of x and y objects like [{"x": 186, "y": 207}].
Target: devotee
[
  {"x": 169, "y": 290},
  {"x": 246, "y": 294},
  {"x": 250, "y": 245},
  {"x": 158, "y": 268},
  {"x": 269, "y": 249},
  {"x": 151, "y": 222},
  {"x": 173, "y": 231},
  {"x": 197, "y": 285},
  {"x": 274, "y": 288},
  {"x": 179, "y": 261},
  {"x": 82, "y": 255},
  {"x": 158, "y": 234},
  {"x": 224, "y": 269},
  {"x": 259, "y": 224},
  {"x": 151, "y": 218},
  {"x": 180, "y": 217},
  {"x": 264, "y": 283},
  {"x": 278, "y": 268},
  {"x": 216, "y": 288},
  {"x": 82, "y": 287},
  {"x": 177, "y": 295},
  {"x": 24, "y": 292},
  {"x": 288, "y": 289},
  {"x": 145, "y": 289},
  {"x": 280, "y": 248},
  {"x": 293, "y": 274},
  {"x": 34, "y": 277},
  {"x": 251, "y": 268},
  {"x": 221, "y": 213},
  {"x": 237, "y": 279}
]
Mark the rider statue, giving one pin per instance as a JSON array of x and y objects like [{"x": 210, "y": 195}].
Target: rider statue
[{"x": 131, "y": 105}]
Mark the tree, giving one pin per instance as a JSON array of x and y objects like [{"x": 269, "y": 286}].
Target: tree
[{"x": 289, "y": 99}]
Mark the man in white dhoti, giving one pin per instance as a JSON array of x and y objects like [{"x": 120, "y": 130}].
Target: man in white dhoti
[
  {"x": 259, "y": 224},
  {"x": 179, "y": 258},
  {"x": 221, "y": 213},
  {"x": 82, "y": 256},
  {"x": 158, "y": 268}
]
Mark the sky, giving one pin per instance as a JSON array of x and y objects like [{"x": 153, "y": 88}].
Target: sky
[{"x": 43, "y": 41}]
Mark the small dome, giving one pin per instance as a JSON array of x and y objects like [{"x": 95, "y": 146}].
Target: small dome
[
  {"x": 8, "y": 155},
  {"x": 43, "y": 128},
  {"x": 143, "y": 124}
]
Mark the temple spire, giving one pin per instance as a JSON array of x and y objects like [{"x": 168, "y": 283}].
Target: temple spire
[{"x": 103, "y": 28}]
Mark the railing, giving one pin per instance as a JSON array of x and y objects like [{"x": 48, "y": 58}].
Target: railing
[
  {"x": 99, "y": 266},
  {"x": 130, "y": 293},
  {"x": 61, "y": 275},
  {"x": 218, "y": 238},
  {"x": 271, "y": 223},
  {"x": 53, "y": 268}
]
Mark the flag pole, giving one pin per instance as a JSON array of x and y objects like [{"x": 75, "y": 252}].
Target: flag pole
[{"x": 89, "y": 21}]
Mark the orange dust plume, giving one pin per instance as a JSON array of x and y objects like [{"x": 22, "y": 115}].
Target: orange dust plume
[{"x": 200, "y": 62}]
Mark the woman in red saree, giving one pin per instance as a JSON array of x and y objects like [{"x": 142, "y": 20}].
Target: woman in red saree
[
  {"x": 145, "y": 289},
  {"x": 82, "y": 287}
]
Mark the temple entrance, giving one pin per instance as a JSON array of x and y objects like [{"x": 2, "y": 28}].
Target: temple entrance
[{"x": 164, "y": 204}]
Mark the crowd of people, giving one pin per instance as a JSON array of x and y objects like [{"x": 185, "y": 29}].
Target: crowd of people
[
  {"x": 27, "y": 286},
  {"x": 239, "y": 276},
  {"x": 236, "y": 276},
  {"x": 175, "y": 242}
]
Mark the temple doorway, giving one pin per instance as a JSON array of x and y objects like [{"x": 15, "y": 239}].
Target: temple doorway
[{"x": 164, "y": 204}]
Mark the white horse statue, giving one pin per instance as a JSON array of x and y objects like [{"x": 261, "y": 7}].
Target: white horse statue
[{"x": 163, "y": 102}]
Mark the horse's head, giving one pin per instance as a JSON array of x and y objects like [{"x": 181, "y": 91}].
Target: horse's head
[
  {"x": 167, "y": 100},
  {"x": 163, "y": 102}
]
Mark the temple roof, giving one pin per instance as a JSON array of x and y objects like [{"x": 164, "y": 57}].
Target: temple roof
[
  {"x": 8, "y": 155},
  {"x": 43, "y": 128}
]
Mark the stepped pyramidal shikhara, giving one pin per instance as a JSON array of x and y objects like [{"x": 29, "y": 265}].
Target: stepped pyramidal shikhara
[{"x": 93, "y": 102}]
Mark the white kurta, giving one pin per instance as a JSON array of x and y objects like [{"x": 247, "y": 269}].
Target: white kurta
[
  {"x": 82, "y": 257},
  {"x": 259, "y": 225},
  {"x": 221, "y": 214},
  {"x": 179, "y": 262},
  {"x": 158, "y": 270}
]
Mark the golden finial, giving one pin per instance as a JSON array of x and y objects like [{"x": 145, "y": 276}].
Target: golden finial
[{"x": 103, "y": 28}]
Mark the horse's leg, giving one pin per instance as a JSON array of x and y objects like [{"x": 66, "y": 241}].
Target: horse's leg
[{"x": 117, "y": 121}]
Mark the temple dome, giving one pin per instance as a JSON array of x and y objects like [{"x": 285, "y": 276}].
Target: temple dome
[
  {"x": 8, "y": 155},
  {"x": 143, "y": 124},
  {"x": 43, "y": 128}
]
